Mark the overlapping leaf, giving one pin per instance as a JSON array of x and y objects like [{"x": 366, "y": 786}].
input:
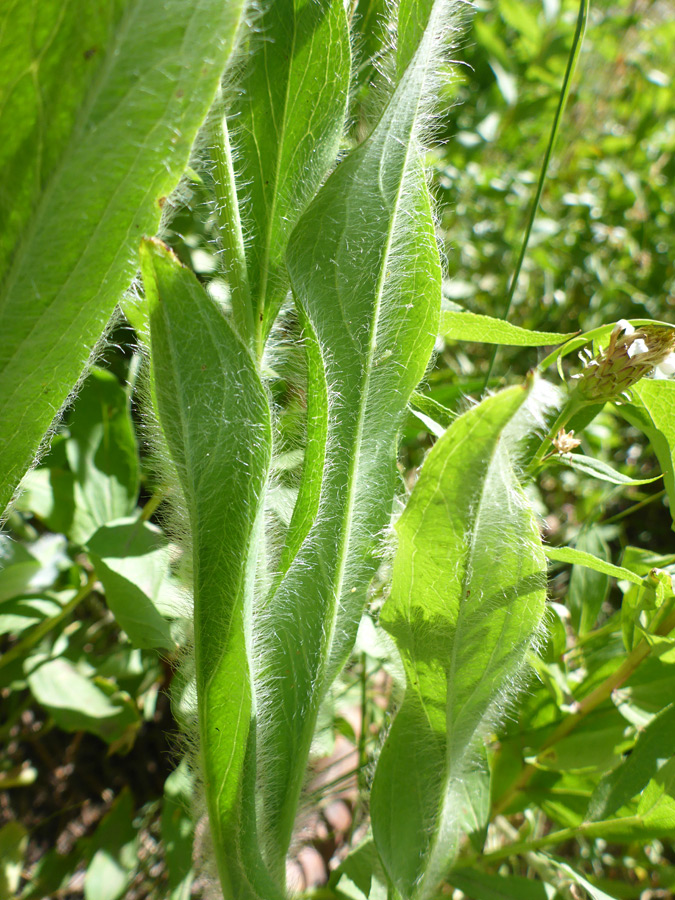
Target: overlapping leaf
[
  {"x": 285, "y": 123},
  {"x": 467, "y": 598},
  {"x": 216, "y": 420},
  {"x": 365, "y": 270},
  {"x": 100, "y": 106}
]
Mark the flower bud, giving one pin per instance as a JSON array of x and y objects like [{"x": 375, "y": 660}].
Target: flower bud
[{"x": 630, "y": 355}]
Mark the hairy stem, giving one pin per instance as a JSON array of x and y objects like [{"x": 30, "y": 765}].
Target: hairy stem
[{"x": 231, "y": 234}]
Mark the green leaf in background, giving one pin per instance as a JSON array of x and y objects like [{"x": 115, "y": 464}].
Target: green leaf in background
[
  {"x": 78, "y": 704},
  {"x": 286, "y": 120},
  {"x": 102, "y": 455},
  {"x": 468, "y": 326},
  {"x": 653, "y": 746},
  {"x": 132, "y": 560},
  {"x": 21, "y": 572},
  {"x": 100, "y": 107},
  {"x": 360, "y": 875},
  {"x": 216, "y": 420},
  {"x": 482, "y": 886},
  {"x": 588, "y": 586},
  {"x": 364, "y": 267},
  {"x": 596, "y": 469},
  {"x": 582, "y": 558},
  {"x": 467, "y": 599},
  {"x": 13, "y": 844},
  {"x": 178, "y": 831},
  {"x": 640, "y": 560},
  {"x": 115, "y": 845},
  {"x": 657, "y": 420},
  {"x": 19, "y": 614},
  {"x": 92, "y": 475}
]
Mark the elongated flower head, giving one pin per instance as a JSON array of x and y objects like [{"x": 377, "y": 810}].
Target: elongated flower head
[{"x": 629, "y": 356}]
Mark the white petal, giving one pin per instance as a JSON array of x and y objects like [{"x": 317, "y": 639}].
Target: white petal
[
  {"x": 667, "y": 367},
  {"x": 637, "y": 348}
]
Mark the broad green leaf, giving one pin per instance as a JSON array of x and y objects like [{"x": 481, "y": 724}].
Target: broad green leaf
[
  {"x": 364, "y": 268},
  {"x": 48, "y": 491},
  {"x": 100, "y": 106},
  {"x": 115, "y": 844},
  {"x": 360, "y": 875},
  {"x": 588, "y": 587},
  {"x": 18, "y": 615},
  {"x": 21, "y": 573},
  {"x": 77, "y": 704},
  {"x": 467, "y": 598},
  {"x": 131, "y": 559},
  {"x": 285, "y": 120},
  {"x": 581, "y": 558},
  {"x": 468, "y": 326},
  {"x": 215, "y": 418},
  {"x": 653, "y": 746},
  {"x": 657, "y": 399},
  {"x": 178, "y": 831},
  {"x": 596, "y": 469},
  {"x": 13, "y": 845},
  {"x": 656, "y": 808},
  {"x": 102, "y": 455},
  {"x": 92, "y": 475},
  {"x": 641, "y": 560},
  {"x": 482, "y": 886}
]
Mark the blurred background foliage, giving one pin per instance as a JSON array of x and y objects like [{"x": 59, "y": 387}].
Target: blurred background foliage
[{"x": 85, "y": 807}]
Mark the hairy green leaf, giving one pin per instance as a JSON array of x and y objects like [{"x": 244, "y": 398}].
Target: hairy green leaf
[
  {"x": 467, "y": 599},
  {"x": 100, "y": 106},
  {"x": 468, "y": 326},
  {"x": 582, "y": 558},
  {"x": 365, "y": 271},
  {"x": 215, "y": 417},
  {"x": 596, "y": 469},
  {"x": 285, "y": 123}
]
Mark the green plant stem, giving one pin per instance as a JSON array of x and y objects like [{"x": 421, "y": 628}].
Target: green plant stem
[
  {"x": 232, "y": 235},
  {"x": 569, "y": 409},
  {"x": 663, "y": 624},
  {"x": 152, "y": 504},
  {"x": 35, "y": 636},
  {"x": 585, "y": 829},
  {"x": 634, "y": 508},
  {"x": 564, "y": 92},
  {"x": 363, "y": 753}
]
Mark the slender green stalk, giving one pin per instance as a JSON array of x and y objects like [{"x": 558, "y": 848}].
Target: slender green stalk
[
  {"x": 231, "y": 234},
  {"x": 568, "y": 411},
  {"x": 35, "y": 636},
  {"x": 520, "y": 848},
  {"x": 562, "y": 100},
  {"x": 663, "y": 624},
  {"x": 634, "y": 507}
]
